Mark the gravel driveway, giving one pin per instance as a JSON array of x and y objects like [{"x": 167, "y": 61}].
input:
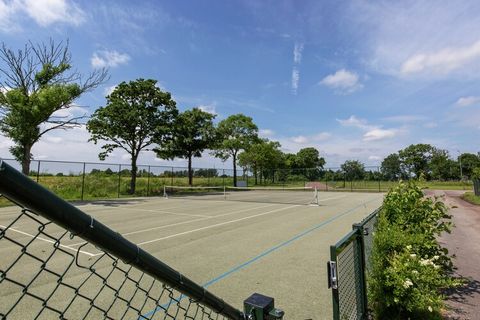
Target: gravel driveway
[{"x": 464, "y": 243}]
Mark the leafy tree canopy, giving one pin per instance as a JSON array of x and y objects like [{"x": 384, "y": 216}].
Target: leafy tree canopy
[
  {"x": 416, "y": 158},
  {"x": 39, "y": 82},
  {"x": 193, "y": 132},
  {"x": 353, "y": 169},
  {"x": 137, "y": 114},
  {"x": 236, "y": 133}
]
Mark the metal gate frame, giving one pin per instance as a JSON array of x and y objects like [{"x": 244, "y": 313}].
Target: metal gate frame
[{"x": 347, "y": 270}]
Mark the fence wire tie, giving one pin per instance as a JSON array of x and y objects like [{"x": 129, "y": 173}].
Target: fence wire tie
[{"x": 77, "y": 254}]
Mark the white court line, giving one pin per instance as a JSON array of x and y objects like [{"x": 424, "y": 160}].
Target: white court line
[
  {"x": 216, "y": 225},
  {"x": 194, "y": 220},
  {"x": 165, "y": 212},
  {"x": 331, "y": 198},
  {"x": 50, "y": 241},
  {"x": 184, "y": 222}
]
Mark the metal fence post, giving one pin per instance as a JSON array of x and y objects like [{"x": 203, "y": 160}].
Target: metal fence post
[
  {"x": 148, "y": 181},
  {"x": 38, "y": 170},
  {"x": 83, "y": 181},
  {"x": 119, "y": 179},
  {"x": 172, "y": 177}
]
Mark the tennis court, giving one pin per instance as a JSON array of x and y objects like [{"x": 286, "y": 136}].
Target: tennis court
[{"x": 272, "y": 245}]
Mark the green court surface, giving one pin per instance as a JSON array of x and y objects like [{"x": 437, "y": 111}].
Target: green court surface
[{"x": 234, "y": 248}]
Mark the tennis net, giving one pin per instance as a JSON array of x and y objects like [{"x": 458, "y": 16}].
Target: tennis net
[{"x": 298, "y": 195}]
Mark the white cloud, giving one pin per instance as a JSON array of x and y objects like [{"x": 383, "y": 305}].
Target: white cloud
[
  {"x": 343, "y": 81},
  {"x": 107, "y": 58},
  {"x": 300, "y": 139},
  {"x": 421, "y": 38},
  {"x": 353, "y": 121},
  {"x": 372, "y": 132},
  {"x": 109, "y": 89},
  {"x": 378, "y": 134},
  {"x": 297, "y": 53},
  {"x": 295, "y": 80},
  {"x": 374, "y": 158},
  {"x": 208, "y": 108},
  {"x": 467, "y": 101},
  {"x": 266, "y": 132},
  {"x": 443, "y": 61},
  {"x": 7, "y": 12},
  {"x": 297, "y": 59},
  {"x": 73, "y": 111},
  {"x": 54, "y": 139},
  {"x": 47, "y": 12},
  {"x": 43, "y": 12},
  {"x": 319, "y": 137}
]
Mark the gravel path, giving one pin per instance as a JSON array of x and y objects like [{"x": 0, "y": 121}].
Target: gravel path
[{"x": 464, "y": 243}]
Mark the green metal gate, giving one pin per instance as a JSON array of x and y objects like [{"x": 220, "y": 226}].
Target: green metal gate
[{"x": 348, "y": 269}]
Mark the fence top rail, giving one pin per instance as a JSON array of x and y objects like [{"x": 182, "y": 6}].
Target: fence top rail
[
  {"x": 28, "y": 194},
  {"x": 345, "y": 241}
]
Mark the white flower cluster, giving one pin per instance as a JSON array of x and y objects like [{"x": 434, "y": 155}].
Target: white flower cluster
[{"x": 408, "y": 283}]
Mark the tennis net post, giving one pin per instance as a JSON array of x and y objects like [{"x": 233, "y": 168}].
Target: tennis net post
[{"x": 118, "y": 259}]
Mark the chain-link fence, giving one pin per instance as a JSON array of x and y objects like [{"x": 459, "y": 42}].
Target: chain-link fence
[
  {"x": 44, "y": 275},
  {"x": 348, "y": 270},
  {"x": 91, "y": 180}
]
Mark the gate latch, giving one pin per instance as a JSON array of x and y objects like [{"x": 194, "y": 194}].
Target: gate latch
[{"x": 332, "y": 275}]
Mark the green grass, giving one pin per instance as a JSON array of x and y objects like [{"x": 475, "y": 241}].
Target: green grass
[{"x": 472, "y": 198}]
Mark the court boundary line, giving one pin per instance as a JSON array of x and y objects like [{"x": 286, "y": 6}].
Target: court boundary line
[{"x": 50, "y": 241}]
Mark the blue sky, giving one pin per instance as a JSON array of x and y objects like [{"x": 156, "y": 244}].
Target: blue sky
[{"x": 355, "y": 79}]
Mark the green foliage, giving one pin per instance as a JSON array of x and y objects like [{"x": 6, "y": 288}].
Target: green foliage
[
  {"x": 391, "y": 167},
  {"x": 416, "y": 158},
  {"x": 476, "y": 173},
  {"x": 262, "y": 157},
  {"x": 471, "y": 197},
  {"x": 37, "y": 84},
  {"x": 137, "y": 115},
  {"x": 409, "y": 267},
  {"x": 192, "y": 133},
  {"x": 353, "y": 169},
  {"x": 236, "y": 133}
]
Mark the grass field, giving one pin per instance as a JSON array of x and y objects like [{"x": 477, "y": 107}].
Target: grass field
[{"x": 472, "y": 198}]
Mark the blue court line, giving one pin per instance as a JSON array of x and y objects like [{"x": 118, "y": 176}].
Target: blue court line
[{"x": 265, "y": 253}]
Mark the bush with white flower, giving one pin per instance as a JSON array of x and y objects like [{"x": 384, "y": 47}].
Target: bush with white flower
[{"x": 409, "y": 267}]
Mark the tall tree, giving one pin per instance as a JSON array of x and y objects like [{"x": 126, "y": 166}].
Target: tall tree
[
  {"x": 236, "y": 133},
  {"x": 416, "y": 159},
  {"x": 309, "y": 160},
  {"x": 441, "y": 166},
  {"x": 193, "y": 132},
  {"x": 37, "y": 83},
  {"x": 262, "y": 157},
  {"x": 353, "y": 169},
  {"x": 391, "y": 167},
  {"x": 136, "y": 115},
  {"x": 469, "y": 162}
]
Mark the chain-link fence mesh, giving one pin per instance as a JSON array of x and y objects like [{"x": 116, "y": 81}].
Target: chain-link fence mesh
[
  {"x": 351, "y": 260},
  {"x": 52, "y": 266},
  {"x": 350, "y": 290}
]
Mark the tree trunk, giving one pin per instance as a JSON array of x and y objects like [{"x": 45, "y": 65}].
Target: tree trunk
[
  {"x": 235, "y": 169},
  {"x": 133, "y": 180},
  {"x": 190, "y": 171},
  {"x": 26, "y": 160}
]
